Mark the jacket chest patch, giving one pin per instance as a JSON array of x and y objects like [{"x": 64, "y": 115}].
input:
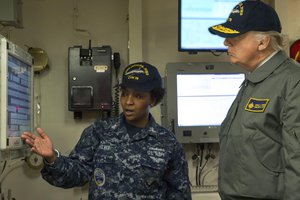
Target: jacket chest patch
[
  {"x": 257, "y": 105},
  {"x": 99, "y": 177}
]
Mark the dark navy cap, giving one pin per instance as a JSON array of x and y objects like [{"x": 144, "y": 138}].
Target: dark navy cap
[
  {"x": 250, "y": 15},
  {"x": 141, "y": 76}
]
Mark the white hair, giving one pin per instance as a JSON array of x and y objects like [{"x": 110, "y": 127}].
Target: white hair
[{"x": 276, "y": 39}]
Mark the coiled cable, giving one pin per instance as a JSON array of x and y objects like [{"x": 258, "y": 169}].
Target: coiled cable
[{"x": 115, "y": 102}]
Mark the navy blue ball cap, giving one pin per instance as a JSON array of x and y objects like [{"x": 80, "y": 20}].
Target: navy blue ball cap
[
  {"x": 141, "y": 76},
  {"x": 250, "y": 15}
]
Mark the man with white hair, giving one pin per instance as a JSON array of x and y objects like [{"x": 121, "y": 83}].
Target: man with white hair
[{"x": 260, "y": 137}]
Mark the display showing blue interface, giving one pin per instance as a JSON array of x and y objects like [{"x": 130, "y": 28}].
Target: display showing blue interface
[
  {"x": 19, "y": 97},
  {"x": 195, "y": 17}
]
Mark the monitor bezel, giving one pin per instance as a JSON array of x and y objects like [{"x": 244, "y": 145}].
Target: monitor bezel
[
  {"x": 8, "y": 48},
  {"x": 200, "y": 134}
]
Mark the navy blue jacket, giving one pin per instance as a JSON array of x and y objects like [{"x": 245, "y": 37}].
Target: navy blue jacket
[{"x": 149, "y": 165}]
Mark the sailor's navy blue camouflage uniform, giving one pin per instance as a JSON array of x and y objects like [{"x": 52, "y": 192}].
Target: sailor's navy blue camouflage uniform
[{"x": 149, "y": 165}]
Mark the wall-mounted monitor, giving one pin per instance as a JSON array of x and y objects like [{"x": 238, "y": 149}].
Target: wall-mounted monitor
[
  {"x": 16, "y": 94},
  {"x": 194, "y": 19},
  {"x": 198, "y": 97}
]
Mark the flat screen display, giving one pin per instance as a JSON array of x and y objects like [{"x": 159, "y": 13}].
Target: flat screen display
[
  {"x": 195, "y": 17},
  {"x": 198, "y": 97},
  {"x": 19, "y": 105},
  {"x": 204, "y": 99},
  {"x": 16, "y": 97}
]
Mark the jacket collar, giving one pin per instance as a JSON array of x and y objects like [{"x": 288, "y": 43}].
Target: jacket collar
[
  {"x": 150, "y": 129},
  {"x": 267, "y": 68}
]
